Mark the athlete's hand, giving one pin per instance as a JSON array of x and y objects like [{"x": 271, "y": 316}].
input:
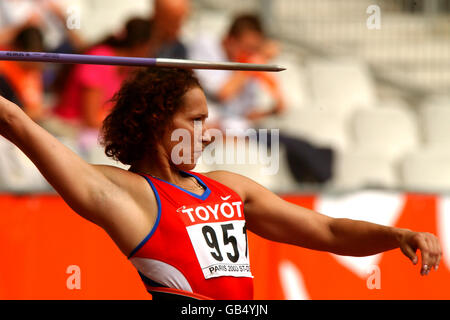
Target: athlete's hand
[{"x": 428, "y": 245}]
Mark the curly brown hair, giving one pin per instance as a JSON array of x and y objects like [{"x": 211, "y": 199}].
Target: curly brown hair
[{"x": 143, "y": 108}]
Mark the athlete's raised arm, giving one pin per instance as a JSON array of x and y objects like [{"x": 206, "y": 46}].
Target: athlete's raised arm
[
  {"x": 91, "y": 191},
  {"x": 275, "y": 219}
]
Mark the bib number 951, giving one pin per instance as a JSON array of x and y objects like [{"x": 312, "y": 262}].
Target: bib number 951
[
  {"x": 221, "y": 248},
  {"x": 212, "y": 242}
]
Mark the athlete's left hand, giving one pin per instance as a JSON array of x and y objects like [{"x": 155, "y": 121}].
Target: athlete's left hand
[{"x": 429, "y": 247}]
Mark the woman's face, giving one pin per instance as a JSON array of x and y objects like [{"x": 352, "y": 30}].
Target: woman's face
[{"x": 187, "y": 136}]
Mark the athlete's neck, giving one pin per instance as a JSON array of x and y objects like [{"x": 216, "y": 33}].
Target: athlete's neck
[{"x": 161, "y": 168}]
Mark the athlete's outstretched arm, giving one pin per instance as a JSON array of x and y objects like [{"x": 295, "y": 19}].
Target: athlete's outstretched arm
[
  {"x": 273, "y": 218},
  {"x": 84, "y": 187}
]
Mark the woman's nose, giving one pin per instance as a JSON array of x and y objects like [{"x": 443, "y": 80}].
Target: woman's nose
[{"x": 206, "y": 137}]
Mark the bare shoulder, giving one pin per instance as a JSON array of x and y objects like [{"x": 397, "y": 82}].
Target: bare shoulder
[
  {"x": 134, "y": 209},
  {"x": 130, "y": 182},
  {"x": 117, "y": 175},
  {"x": 239, "y": 183}
]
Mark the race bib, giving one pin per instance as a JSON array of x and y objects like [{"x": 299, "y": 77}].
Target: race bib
[{"x": 219, "y": 237}]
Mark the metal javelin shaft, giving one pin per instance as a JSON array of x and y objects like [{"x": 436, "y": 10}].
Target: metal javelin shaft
[{"x": 131, "y": 61}]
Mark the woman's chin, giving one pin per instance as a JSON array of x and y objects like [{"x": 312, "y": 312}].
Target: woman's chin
[
  {"x": 190, "y": 164},
  {"x": 186, "y": 166}
]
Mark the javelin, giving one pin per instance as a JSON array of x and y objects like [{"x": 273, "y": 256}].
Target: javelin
[{"x": 132, "y": 61}]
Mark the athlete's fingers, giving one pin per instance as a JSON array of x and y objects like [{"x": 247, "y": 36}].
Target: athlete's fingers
[
  {"x": 431, "y": 252},
  {"x": 425, "y": 251},
  {"x": 436, "y": 266},
  {"x": 410, "y": 253},
  {"x": 437, "y": 251}
]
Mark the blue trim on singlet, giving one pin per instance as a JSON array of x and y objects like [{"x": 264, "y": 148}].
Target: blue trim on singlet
[
  {"x": 205, "y": 194},
  {"x": 158, "y": 217}
]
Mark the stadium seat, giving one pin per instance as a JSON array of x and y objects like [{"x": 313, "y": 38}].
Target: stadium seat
[
  {"x": 437, "y": 100},
  {"x": 96, "y": 155},
  {"x": 427, "y": 170},
  {"x": 435, "y": 121},
  {"x": 323, "y": 128},
  {"x": 283, "y": 180},
  {"x": 293, "y": 81},
  {"x": 207, "y": 22},
  {"x": 340, "y": 85},
  {"x": 357, "y": 169},
  {"x": 388, "y": 131},
  {"x": 98, "y": 20},
  {"x": 17, "y": 172}
]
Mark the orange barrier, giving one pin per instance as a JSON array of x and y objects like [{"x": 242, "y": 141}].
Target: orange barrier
[{"x": 42, "y": 242}]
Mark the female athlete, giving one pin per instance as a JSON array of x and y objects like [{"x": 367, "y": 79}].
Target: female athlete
[{"x": 185, "y": 232}]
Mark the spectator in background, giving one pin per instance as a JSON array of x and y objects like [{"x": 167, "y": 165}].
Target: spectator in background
[
  {"x": 232, "y": 95},
  {"x": 7, "y": 35},
  {"x": 14, "y": 15},
  {"x": 23, "y": 80},
  {"x": 48, "y": 16},
  {"x": 88, "y": 88},
  {"x": 167, "y": 20},
  {"x": 85, "y": 95},
  {"x": 70, "y": 42}
]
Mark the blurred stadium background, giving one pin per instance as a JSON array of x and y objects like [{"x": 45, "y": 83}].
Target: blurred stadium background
[{"x": 379, "y": 97}]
